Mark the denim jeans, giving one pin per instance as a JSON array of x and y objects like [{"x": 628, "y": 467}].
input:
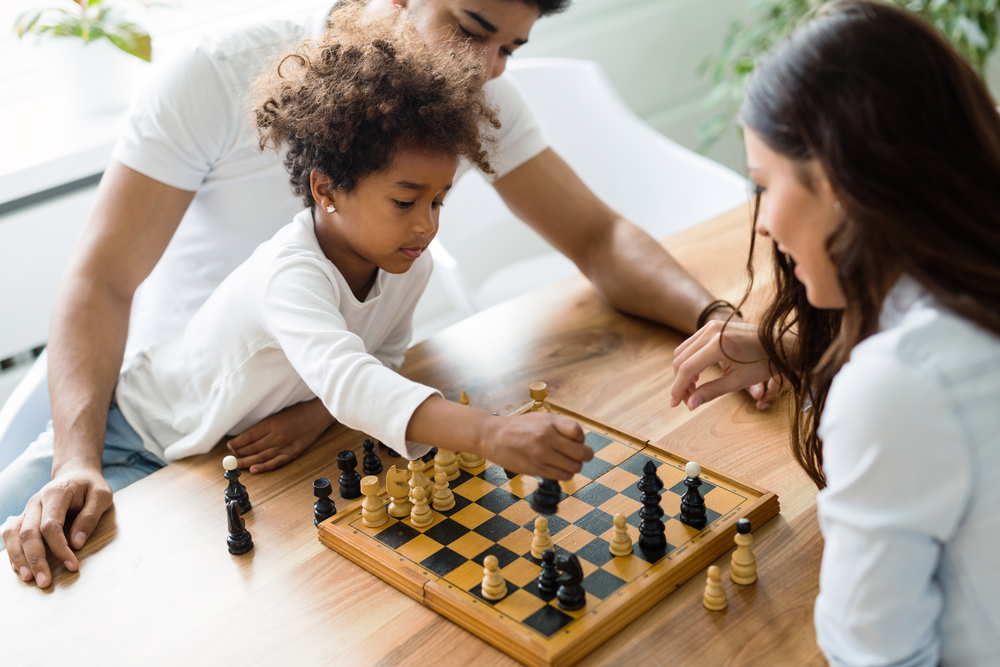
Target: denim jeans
[{"x": 124, "y": 461}]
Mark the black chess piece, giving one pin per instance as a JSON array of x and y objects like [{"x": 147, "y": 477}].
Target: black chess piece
[
  {"x": 545, "y": 499},
  {"x": 239, "y": 539},
  {"x": 391, "y": 452},
  {"x": 571, "y": 595},
  {"x": 693, "y": 511},
  {"x": 350, "y": 480},
  {"x": 429, "y": 457},
  {"x": 651, "y": 529},
  {"x": 510, "y": 473},
  {"x": 235, "y": 490},
  {"x": 548, "y": 578},
  {"x": 324, "y": 508},
  {"x": 371, "y": 464}
]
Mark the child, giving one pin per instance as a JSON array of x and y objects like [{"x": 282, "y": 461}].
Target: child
[
  {"x": 371, "y": 122},
  {"x": 876, "y": 151}
]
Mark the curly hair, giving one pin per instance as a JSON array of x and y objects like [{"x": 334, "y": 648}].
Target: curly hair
[{"x": 346, "y": 103}]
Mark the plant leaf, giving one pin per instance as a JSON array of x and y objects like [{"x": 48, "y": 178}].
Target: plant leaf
[
  {"x": 131, "y": 39},
  {"x": 26, "y": 21}
]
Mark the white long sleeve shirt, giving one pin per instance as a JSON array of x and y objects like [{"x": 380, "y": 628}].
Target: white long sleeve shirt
[
  {"x": 283, "y": 328},
  {"x": 911, "y": 513}
]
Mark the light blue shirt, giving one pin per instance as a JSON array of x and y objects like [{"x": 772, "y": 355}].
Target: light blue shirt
[{"x": 911, "y": 513}]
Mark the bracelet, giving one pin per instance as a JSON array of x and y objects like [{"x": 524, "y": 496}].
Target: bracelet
[{"x": 715, "y": 305}]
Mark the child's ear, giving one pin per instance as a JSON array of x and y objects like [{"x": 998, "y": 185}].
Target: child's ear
[{"x": 320, "y": 185}]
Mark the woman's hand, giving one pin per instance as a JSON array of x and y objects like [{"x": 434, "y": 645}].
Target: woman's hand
[
  {"x": 745, "y": 366},
  {"x": 282, "y": 437}
]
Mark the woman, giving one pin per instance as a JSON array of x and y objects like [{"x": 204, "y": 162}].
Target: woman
[{"x": 876, "y": 153}]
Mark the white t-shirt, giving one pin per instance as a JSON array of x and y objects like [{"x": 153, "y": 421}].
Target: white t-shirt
[
  {"x": 190, "y": 130},
  {"x": 911, "y": 451},
  {"x": 283, "y": 328}
]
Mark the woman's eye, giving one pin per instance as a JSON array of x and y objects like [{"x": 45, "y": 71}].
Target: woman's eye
[{"x": 403, "y": 204}]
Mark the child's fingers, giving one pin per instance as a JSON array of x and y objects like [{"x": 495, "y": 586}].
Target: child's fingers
[
  {"x": 259, "y": 458},
  {"x": 247, "y": 437},
  {"x": 273, "y": 464},
  {"x": 250, "y": 447}
]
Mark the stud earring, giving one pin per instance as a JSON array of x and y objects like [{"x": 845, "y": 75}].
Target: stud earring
[
  {"x": 837, "y": 206},
  {"x": 330, "y": 208}
]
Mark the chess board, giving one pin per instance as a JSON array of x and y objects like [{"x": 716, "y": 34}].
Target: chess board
[{"x": 441, "y": 565}]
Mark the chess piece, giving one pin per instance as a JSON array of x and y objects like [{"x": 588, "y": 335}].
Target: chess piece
[
  {"x": 692, "y": 504},
  {"x": 418, "y": 479},
  {"x": 372, "y": 507},
  {"x": 541, "y": 542},
  {"x": 324, "y": 508},
  {"x": 539, "y": 392},
  {"x": 545, "y": 499},
  {"x": 651, "y": 529},
  {"x": 444, "y": 499},
  {"x": 715, "y": 595},
  {"x": 510, "y": 473},
  {"x": 420, "y": 515},
  {"x": 465, "y": 459},
  {"x": 235, "y": 490},
  {"x": 429, "y": 457},
  {"x": 743, "y": 567},
  {"x": 350, "y": 480},
  {"x": 446, "y": 461},
  {"x": 548, "y": 578},
  {"x": 621, "y": 542},
  {"x": 239, "y": 539},
  {"x": 399, "y": 493},
  {"x": 371, "y": 464},
  {"x": 494, "y": 587},
  {"x": 571, "y": 595}
]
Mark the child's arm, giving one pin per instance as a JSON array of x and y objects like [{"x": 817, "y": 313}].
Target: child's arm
[{"x": 539, "y": 444}]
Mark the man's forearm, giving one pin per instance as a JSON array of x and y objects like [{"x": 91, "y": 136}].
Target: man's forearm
[
  {"x": 86, "y": 346},
  {"x": 637, "y": 276}
]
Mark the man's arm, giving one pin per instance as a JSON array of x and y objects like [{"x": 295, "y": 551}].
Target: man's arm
[
  {"x": 626, "y": 265},
  {"x": 132, "y": 221}
]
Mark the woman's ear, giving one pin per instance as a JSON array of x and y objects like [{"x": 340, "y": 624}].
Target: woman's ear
[{"x": 322, "y": 193}]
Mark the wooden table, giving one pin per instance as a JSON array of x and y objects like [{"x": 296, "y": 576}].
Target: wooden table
[{"x": 157, "y": 584}]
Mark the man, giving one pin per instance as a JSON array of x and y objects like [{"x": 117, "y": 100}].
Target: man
[{"x": 187, "y": 197}]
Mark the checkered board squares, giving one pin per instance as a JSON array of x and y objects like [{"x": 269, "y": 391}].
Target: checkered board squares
[{"x": 441, "y": 564}]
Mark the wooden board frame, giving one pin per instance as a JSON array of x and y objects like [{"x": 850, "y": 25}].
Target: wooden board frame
[{"x": 592, "y": 627}]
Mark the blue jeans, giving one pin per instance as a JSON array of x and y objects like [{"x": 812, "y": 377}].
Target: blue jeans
[{"x": 124, "y": 461}]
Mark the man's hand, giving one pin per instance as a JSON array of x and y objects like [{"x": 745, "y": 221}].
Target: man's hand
[
  {"x": 544, "y": 445},
  {"x": 82, "y": 491},
  {"x": 282, "y": 437}
]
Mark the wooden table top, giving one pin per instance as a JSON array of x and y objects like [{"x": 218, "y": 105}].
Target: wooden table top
[{"x": 157, "y": 584}]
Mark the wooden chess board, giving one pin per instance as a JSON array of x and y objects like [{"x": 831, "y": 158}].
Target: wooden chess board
[{"x": 441, "y": 565}]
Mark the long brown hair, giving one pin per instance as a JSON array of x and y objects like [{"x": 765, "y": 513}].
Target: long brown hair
[{"x": 909, "y": 138}]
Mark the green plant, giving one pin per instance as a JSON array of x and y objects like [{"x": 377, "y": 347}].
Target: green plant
[
  {"x": 89, "y": 20},
  {"x": 970, "y": 25}
]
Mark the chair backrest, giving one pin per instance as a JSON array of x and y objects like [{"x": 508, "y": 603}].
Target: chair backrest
[{"x": 650, "y": 180}]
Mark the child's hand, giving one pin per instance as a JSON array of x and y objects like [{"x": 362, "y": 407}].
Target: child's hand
[
  {"x": 544, "y": 445},
  {"x": 280, "y": 438}
]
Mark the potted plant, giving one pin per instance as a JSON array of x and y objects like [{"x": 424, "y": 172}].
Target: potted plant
[
  {"x": 90, "y": 43},
  {"x": 970, "y": 25}
]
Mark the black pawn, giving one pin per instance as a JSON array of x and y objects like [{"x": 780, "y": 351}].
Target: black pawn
[
  {"x": 391, "y": 452},
  {"x": 693, "y": 505},
  {"x": 743, "y": 526},
  {"x": 239, "y": 540},
  {"x": 545, "y": 499},
  {"x": 429, "y": 456},
  {"x": 548, "y": 578},
  {"x": 350, "y": 480},
  {"x": 236, "y": 491},
  {"x": 372, "y": 464},
  {"x": 651, "y": 537},
  {"x": 571, "y": 595},
  {"x": 324, "y": 508}
]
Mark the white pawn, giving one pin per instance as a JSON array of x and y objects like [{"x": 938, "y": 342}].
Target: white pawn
[
  {"x": 494, "y": 586},
  {"x": 447, "y": 461},
  {"x": 420, "y": 515},
  {"x": 444, "y": 499},
  {"x": 621, "y": 543},
  {"x": 372, "y": 507},
  {"x": 418, "y": 478},
  {"x": 715, "y": 595},
  {"x": 743, "y": 568},
  {"x": 541, "y": 542},
  {"x": 399, "y": 492},
  {"x": 466, "y": 460}
]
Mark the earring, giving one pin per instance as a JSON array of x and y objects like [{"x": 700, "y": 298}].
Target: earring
[
  {"x": 330, "y": 208},
  {"x": 837, "y": 206}
]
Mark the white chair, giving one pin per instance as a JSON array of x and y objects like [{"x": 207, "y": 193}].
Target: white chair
[
  {"x": 26, "y": 413},
  {"x": 485, "y": 255}
]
